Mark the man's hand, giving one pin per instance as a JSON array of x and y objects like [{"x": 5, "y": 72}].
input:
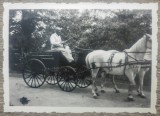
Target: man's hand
[{"x": 63, "y": 42}]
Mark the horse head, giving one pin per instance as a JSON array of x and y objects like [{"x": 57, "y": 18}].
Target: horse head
[{"x": 148, "y": 41}]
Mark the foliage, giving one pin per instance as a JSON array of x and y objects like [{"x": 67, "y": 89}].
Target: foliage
[{"x": 91, "y": 29}]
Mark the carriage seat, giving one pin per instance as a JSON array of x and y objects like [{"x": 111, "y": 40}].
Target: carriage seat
[{"x": 49, "y": 51}]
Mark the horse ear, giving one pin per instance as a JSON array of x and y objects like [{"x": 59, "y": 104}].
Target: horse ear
[{"x": 148, "y": 36}]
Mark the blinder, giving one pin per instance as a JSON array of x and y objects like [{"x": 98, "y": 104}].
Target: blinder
[{"x": 148, "y": 40}]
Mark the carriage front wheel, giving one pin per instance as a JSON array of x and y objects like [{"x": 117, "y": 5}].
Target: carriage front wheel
[
  {"x": 84, "y": 77},
  {"x": 67, "y": 78},
  {"x": 51, "y": 78},
  {"x": 34, "y": 73}
]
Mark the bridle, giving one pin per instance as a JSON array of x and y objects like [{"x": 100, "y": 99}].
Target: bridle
[
  {"x": 147, "y": 40},
  {"x": 146, "y": 47}
]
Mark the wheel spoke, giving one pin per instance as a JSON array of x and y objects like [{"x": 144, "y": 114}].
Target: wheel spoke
[
  {"x": 83, "y": 83},
  {"x": 62, "y": 83},
  {"x": 64, "y": 87},
  {"x": 29, "y": 80},
  {"x": 49, "y": 78},
  {"x": 39, "y": 78},
  {"x": 37, "y": 81},
  {"x": 73, "y": 81},
  {"x": 79, "y": 81},
  {"x": 71, "y": 85},
  {"x": 67, "y": 85},
  {"x": 28, "y": 76},
  {"x": 34, "y": 82}
]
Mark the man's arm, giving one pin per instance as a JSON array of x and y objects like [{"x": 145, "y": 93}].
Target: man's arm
[{"x": 63, "y": 42}]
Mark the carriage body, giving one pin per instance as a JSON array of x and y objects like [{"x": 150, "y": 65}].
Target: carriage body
[
  {"x": 52, "y": 67},
  {"x": 50, "y": 59}
]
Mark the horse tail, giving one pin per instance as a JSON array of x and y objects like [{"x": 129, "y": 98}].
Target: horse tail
[{"x": 87, "y": 61}]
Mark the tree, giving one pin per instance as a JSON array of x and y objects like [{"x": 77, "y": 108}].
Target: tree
[{"x": 94, "y": 29}]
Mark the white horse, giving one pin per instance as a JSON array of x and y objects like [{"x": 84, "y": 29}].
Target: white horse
[
  {"x": 117, "y": 63},
  {"x": 141, "y": 74}
]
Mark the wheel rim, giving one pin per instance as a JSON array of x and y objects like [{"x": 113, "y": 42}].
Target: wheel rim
[
  {"x": 32, "y": 77},
  {"x": 66, "y": 79}
]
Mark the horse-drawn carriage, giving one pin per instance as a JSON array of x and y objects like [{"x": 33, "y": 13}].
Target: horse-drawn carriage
[{"x": 53, "y": 68}]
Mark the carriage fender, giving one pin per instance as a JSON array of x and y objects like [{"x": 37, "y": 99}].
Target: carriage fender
[
  {"x": 34, "y": 59},
  {"x": 69, "y": 68}
]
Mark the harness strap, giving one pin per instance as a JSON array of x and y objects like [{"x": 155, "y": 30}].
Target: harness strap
[
  {"x": 93, "y": 65},
  {"x": 126, "y": 61},
  {"x": 110, "y": 61},
  {"x": 132, "y": 57}
]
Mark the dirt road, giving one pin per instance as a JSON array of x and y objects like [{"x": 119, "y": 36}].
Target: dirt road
[{"x": 49, "y": 95}]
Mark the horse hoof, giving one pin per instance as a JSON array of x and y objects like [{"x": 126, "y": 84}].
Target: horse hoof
[
  {"x": 102, "y": 91},
  {"x": 130, "y": 99},
  {"x": 97, "y": 94},
  {"x": 117, "y": 91},
  {"x": 139, "y": 94},
  {"x": 95, "y": 97},
  {"x": 142, "y": 96}
]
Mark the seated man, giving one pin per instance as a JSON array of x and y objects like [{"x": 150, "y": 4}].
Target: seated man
[{"x": 57, "y": 44}]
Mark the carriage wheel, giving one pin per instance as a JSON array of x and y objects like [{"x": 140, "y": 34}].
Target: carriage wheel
[
  {"x": 51, "y": 79},
  {"x": 84, "y": 77},
  {"x": 67, "y": 79},
  {"x": 34, "y": 73}
]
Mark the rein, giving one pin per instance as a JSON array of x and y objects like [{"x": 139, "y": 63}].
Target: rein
[{"x": 137, "y": 52}]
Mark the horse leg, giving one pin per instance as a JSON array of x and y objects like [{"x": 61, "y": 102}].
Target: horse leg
[
  {"x": 115, "y": 86},
  {"x": 131, "y": 77},
  {"x": 138, "y": 87},
  {"x": 103, "y": 81},
  {"x": 94, "y": 88},
  {"x": 141, "y": 77}
]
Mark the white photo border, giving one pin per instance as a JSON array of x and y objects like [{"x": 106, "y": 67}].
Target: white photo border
[{"x": 143, "y": 6}]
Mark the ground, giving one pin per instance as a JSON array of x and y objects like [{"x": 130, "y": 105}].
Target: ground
[{"x": 52, "y": 95}]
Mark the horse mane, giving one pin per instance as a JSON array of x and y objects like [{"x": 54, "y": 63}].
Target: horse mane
[{"x": 138, "y": 45}]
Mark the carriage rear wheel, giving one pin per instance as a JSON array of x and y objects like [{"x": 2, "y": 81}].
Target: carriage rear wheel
[
  {"x": 34, "y": 73},
  {"x": 84, "y": 77},
  {"x": 67, "y": 78}
]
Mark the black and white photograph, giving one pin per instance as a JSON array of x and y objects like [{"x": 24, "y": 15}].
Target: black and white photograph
[{"x": 80, "y": 57}]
